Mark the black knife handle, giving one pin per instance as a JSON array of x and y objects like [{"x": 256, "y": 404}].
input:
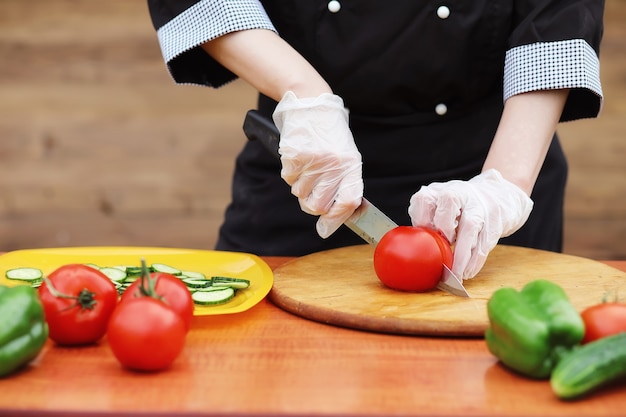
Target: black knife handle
[{"x": 258, "y": 127}]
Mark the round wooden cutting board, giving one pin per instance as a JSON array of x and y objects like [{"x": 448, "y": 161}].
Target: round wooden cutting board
[{"x": 340, "y": 287}]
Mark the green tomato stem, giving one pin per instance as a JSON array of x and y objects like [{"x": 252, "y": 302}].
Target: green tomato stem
[
  {"x": 148, "y": 284},
  {"x": 85, "y": 298}
]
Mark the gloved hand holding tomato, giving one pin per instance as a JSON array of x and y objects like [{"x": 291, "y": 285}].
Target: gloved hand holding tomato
[
  {"x": 411, "y": 258},
  {"x": 473, "y": 215}
]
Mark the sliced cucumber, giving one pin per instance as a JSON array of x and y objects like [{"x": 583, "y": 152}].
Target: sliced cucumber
[
  {"x": 209, "y": 289},
  {"x": 25, "y": 274},
  {"x": 165, "y": 269},
  {"x": 204, "y": 291},
  {"x": 134, "y": 271},
  {"x": 129, "y": 269},
  {"x": 193, "y": 274},
  {"x": 36, "y": 283},
  {"x": 213, "y": 297},
  {"x": 194, "y": 283},
  {"x": 114, "y": 274},
  {"x": 121, "y": 288},
  {"x": 238, "y": 283}
]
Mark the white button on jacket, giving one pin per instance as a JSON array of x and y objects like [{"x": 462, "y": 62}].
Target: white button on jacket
[
  {"x": 334, "y": 6},
  {"x": 441, "y": 109},
  {"x": 443, "y": 12}
]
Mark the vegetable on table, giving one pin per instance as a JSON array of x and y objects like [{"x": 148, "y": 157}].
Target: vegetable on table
[
  {"x": 145, "y": 334},
  {"x": 602, "y": 320},
  {"x": 532, "y": 329},
  {"x": 148, "y": 328},
  {"x": 23, "y": 328},
  {"x": 167, "y": 288},
  {"x": 590, "y": 366},
  {"x": 78, "y": 302},
  {"x": 409, "y": 258}
]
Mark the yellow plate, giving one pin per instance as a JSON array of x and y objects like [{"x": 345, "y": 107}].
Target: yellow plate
[{"x": 211, "y": 263}]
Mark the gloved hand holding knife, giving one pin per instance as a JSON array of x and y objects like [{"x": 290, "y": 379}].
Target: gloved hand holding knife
[
  {"x": 319, "y": 158},
  {"x": 367, "y": 221}
]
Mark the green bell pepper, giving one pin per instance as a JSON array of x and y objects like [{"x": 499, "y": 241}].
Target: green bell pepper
[
  {"x": 530, "y": 330},
  {"x": 23, "y": 328}
]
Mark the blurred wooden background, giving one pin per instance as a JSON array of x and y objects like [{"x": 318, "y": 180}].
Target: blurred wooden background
[{"x": 99, "y": 147}]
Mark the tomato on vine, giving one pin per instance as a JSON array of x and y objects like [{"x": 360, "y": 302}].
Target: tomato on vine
[
  {"x": 148, "y": 328},
  {"x": 78, "y": 302},
  {"x": 169, "y": 289},
  {"x": 145, "y": 334}
]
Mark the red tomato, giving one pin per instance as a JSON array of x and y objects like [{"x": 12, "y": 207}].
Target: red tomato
[
  {"x": 603, "y": 320},
  {"x": 78, "y": 305},
  {"x": 411, "y": 258},
  {"x": 172, "y": 291},
  {"x": 145, "y": 334},
  {"x": 444, "y": 245}
]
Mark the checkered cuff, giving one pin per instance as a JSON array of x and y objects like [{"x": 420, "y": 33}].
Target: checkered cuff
[
  {"x": 207, "y": 20},
  {"x": 569, "y": 64}
]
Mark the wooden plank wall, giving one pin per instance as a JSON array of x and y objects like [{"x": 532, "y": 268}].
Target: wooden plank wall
[{"x": 99, "y": 147}]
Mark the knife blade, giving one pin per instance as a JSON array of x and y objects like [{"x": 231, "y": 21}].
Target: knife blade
[
  {"x": 451, "y": 283},
  {"x": 367, "y": 221}
]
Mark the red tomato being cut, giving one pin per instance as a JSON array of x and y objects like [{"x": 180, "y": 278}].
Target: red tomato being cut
[
  {"x": 444, "y": 245},
  {"x": 411, "y": 258},
  {"x": 603, "y": 320}
]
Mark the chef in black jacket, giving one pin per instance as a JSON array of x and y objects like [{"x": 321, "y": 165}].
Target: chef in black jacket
[{"x": 442, "y": 112}]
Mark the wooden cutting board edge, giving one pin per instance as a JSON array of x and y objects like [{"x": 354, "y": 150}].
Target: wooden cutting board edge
[
  {"x": 293, "y": 290},
  {"x": 374, "y": 324}
]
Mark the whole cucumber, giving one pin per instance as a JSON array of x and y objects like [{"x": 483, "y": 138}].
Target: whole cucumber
[{"x": 590, "y": 367}]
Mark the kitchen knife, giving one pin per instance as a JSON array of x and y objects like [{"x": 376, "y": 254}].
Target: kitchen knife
[{"x": 367, "y": 221}]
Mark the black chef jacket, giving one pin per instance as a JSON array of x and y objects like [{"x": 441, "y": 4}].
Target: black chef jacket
[{"x": 424, "y": 86}]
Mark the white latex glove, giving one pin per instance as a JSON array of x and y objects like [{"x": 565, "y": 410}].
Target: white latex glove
[
  {"x": 473, "y": 215},
  {"x": 319, "y": 158}
]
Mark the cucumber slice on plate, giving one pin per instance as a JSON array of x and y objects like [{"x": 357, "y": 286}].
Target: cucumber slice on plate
[
  {"x": 206, "y": 298},
  {"x": 192, "y": 274},
  {"x": 114, "y": 274},
  {"x": 25, "y": 274},
  {"x": 165, "y": 268},
  {"x": 193, "y": 283},
  {"x": 130, "y": 270},
  {"x": 209, "y": 289},
  {"x": 237, "y": 283}
]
